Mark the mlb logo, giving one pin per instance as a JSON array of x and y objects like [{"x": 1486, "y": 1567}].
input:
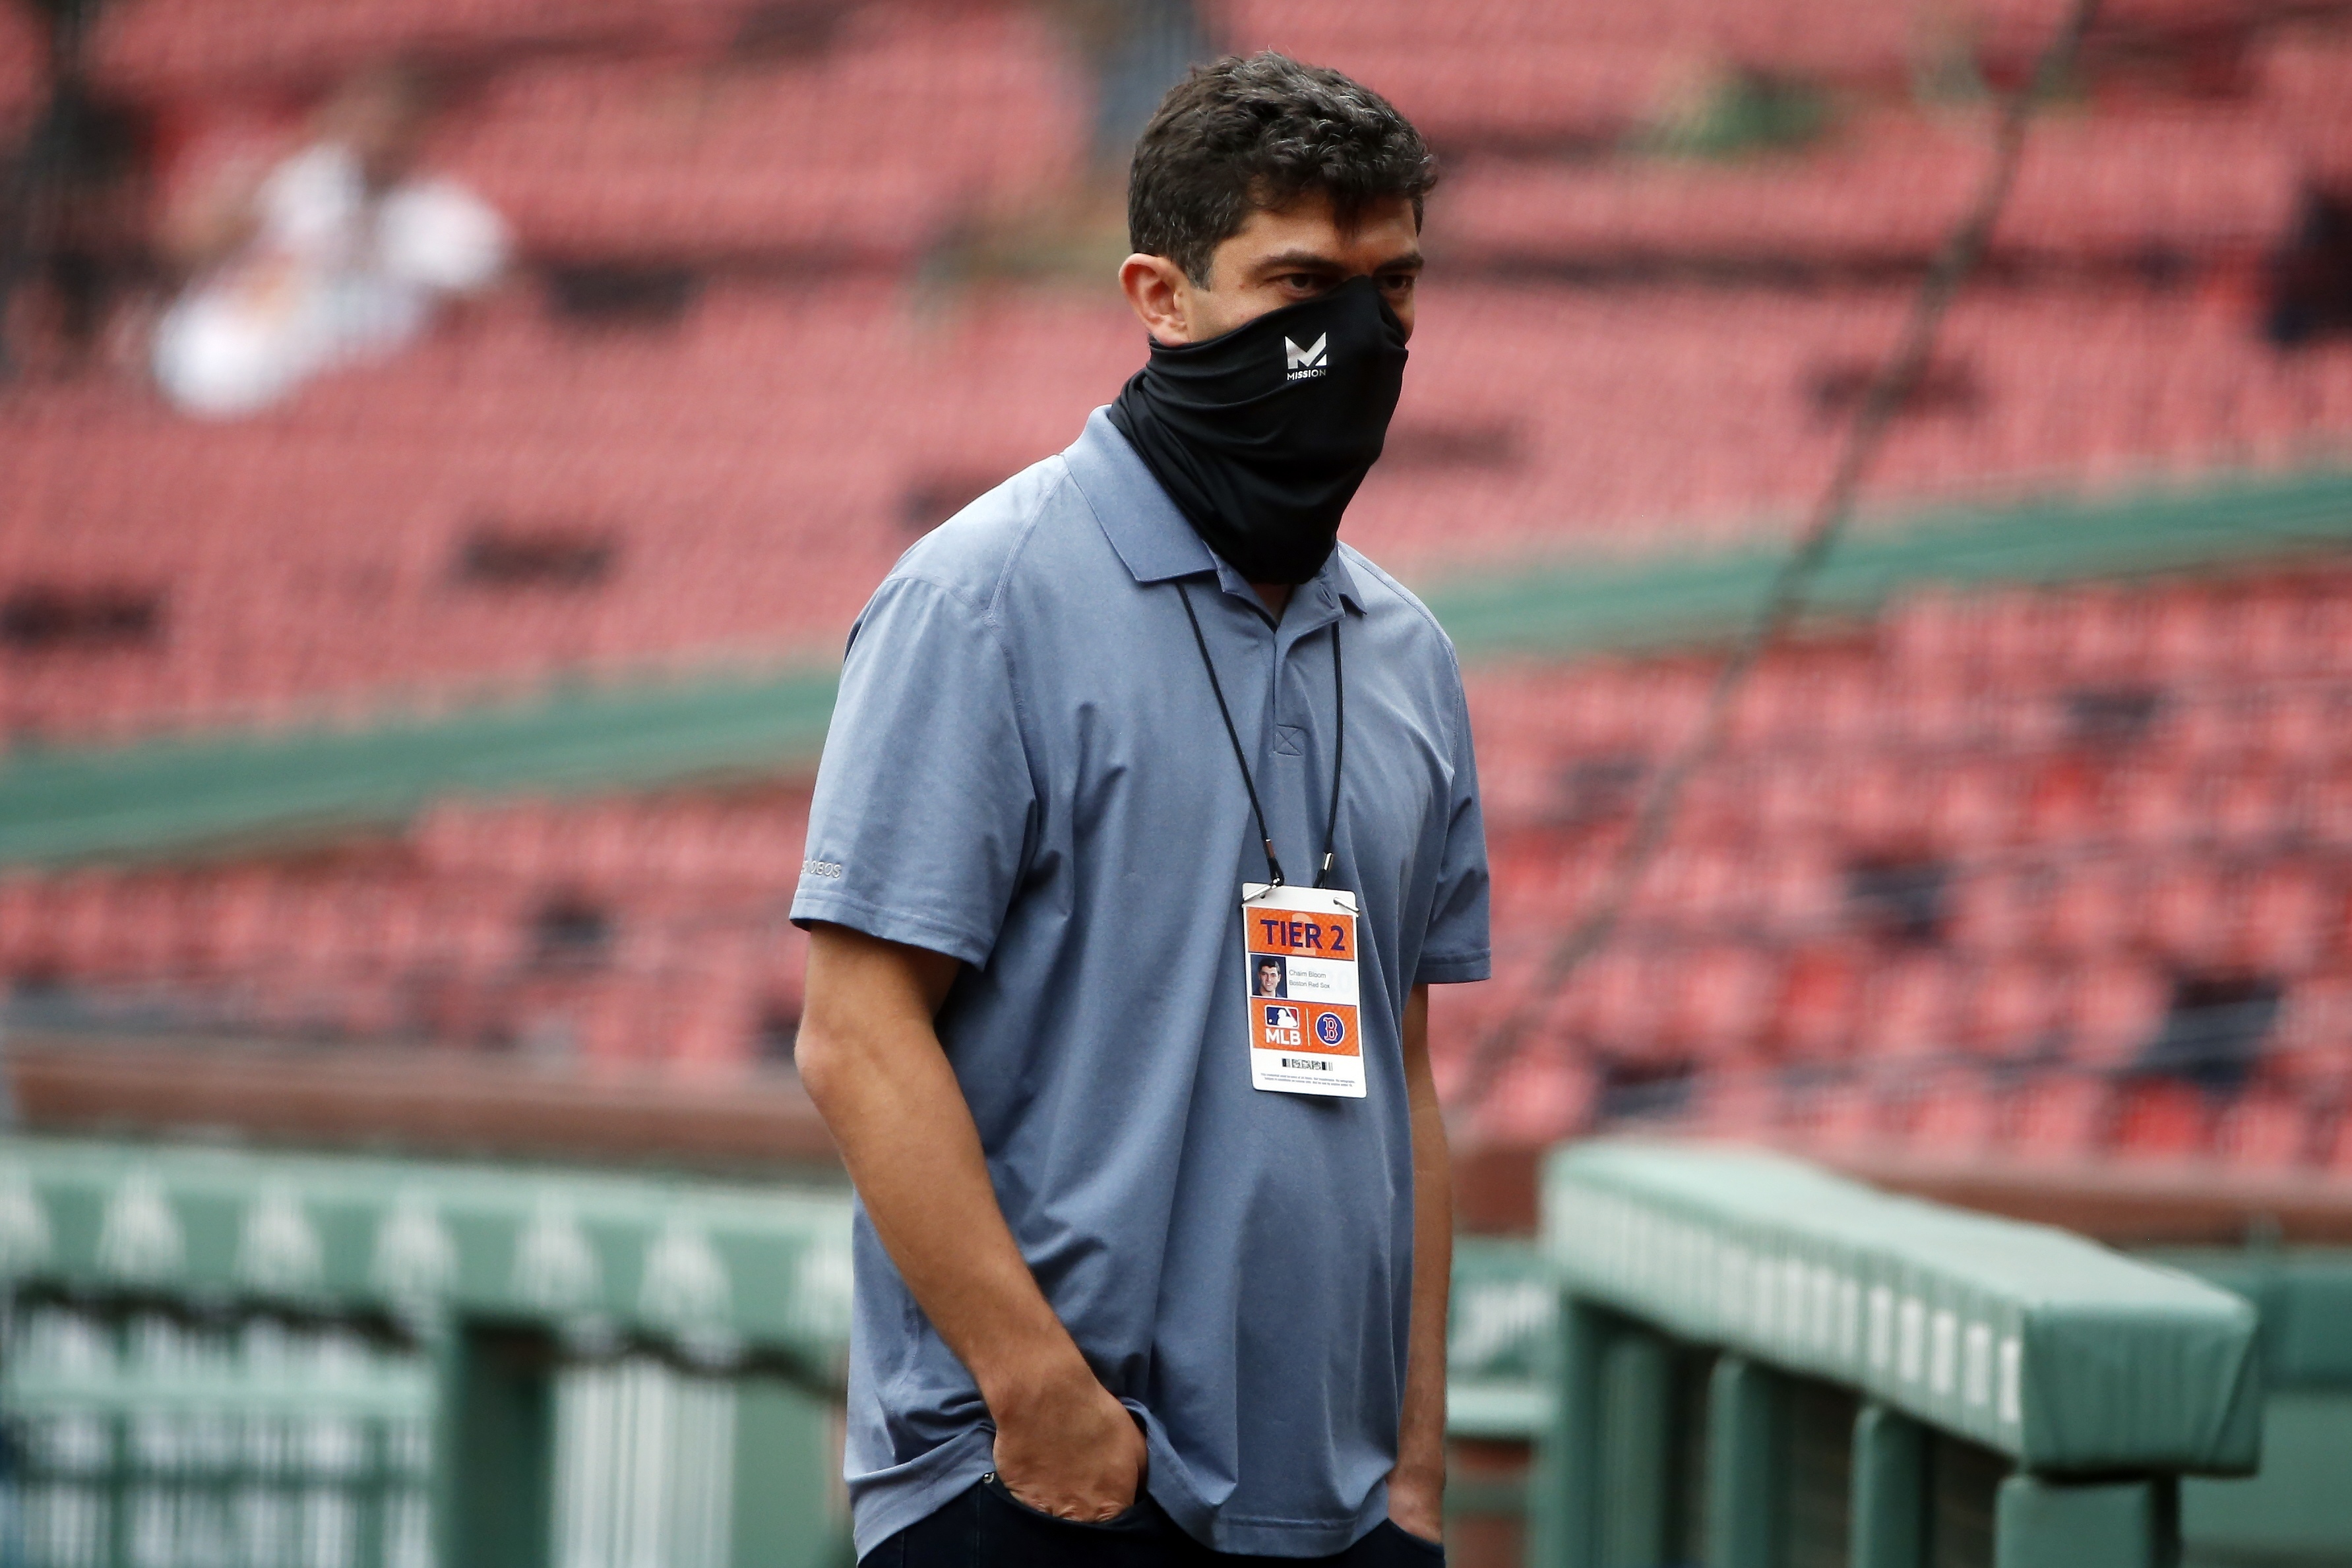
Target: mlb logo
[{"x": 1281, "y": 1018}]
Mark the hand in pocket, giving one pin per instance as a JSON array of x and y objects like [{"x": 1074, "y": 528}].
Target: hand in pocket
[{"x": 1079, "y": 1456}]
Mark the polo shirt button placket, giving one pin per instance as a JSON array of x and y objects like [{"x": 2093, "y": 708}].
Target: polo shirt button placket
[{"x": 1275, "y": 660}]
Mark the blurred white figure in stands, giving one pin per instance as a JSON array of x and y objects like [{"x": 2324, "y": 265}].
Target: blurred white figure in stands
[{"x": 339, "y": 253}]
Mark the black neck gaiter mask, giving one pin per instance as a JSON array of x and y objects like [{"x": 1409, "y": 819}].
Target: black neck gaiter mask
[{"x": 1261, "y": 435}]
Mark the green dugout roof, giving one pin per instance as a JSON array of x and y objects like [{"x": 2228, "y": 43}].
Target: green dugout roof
[
  {"x": 170, "y": 798},
  {"x": 2034, "y": 1341},
  {"x": 716, "y": 1270}
]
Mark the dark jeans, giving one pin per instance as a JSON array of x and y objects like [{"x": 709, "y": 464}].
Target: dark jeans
[{"x": 987, "y": 1527}]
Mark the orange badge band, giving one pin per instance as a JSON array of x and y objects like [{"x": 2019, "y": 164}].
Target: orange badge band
[{"x": 1299, "y": 934}]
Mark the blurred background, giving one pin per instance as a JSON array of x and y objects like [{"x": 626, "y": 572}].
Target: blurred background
[{"x": 444, "y": 445}]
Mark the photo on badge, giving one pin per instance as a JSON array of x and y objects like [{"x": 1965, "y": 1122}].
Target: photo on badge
[{"x": 1272, "y": 977}]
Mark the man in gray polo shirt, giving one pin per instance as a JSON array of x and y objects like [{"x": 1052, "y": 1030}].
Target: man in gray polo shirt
[{"x": 1147, "y": 817}]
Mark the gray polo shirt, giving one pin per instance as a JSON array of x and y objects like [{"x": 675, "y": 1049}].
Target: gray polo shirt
[{"x": 1026, "y": 771}]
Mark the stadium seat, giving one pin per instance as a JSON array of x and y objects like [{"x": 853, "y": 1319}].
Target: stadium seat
[
  {"x": 2014, "y": 1009},
  {"x": 1955, "y": 1114},
  {"x": 2266, "y": 1131},
  {"x": 1837, "y": 1117},
  {"x": 2059, "y": 1118},
  {"x": 1820, "y": 1005},
  {"x": 2162, "y": 1119},
  {"x": 1738, "y": 1105},
  {"x": 1536, "y": 1101}
]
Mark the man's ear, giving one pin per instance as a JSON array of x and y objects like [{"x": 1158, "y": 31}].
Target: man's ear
[{"x": 1161, "y": 295}]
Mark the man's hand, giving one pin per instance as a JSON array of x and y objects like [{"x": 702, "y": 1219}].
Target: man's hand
[
  {"x": 1417, "y": 1504},
  {"x": 1072, "y": 1451}
]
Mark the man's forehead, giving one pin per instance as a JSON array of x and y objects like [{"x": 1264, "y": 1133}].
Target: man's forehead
[{"x": 1311, "y": 229}]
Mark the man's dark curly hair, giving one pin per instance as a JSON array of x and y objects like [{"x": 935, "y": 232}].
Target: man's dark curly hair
[{"x": 1261, "y": 132}]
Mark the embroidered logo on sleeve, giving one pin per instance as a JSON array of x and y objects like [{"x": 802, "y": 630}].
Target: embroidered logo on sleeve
[{"x": 828, "y": 869}]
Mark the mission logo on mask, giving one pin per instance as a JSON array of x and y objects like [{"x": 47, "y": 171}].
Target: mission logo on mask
[
  {"x": 1303, "y": 364},
  {"x": 1298, "y": 950}
]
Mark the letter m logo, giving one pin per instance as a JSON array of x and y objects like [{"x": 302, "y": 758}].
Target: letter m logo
[{"x": 1311, "y": 357}]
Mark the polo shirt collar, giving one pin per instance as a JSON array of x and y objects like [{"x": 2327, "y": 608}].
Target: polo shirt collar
[{"x": 1149, "y": 534}]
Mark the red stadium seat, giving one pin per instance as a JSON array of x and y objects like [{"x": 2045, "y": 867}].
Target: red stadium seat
[
  {"x": 1997, "y": 911},
  {"x": 1536, "y": 1101},
  {"x": 2095, "y": 907},
  {"x": 2014, "y": 1009},
  {"x": 1844, "y": 1116},
  {"x": 2264, "y": 1131},
  {"x": 2114, "y": 1011},
  {"x": 1821, "y": 1003},
  {"x": 1912, "y": 1010},
  {"x": 2059, "y": 1117},
  {"x": 2162, "y": 1119},
  {"x": 2338, "y": 1141},
  {"x": 1738, "y": 1104},
  {"x": 2286, "y": 921},
  {"x": 1724, "y": 1000},
  {"x": 1955, "y": 1114},
  {"x": 2182, "y": 914}
]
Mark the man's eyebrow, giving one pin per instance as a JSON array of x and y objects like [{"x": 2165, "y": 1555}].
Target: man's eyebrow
[
  {"x": 1298, "y": 261},
  {"x": 1316, "y": 261}
]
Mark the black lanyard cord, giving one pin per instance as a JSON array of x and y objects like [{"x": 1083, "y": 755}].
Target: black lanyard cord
[
  {"x": 1266, "y": 835},
  {"x": 1241, "y": 759},
  {"x": 1338, "y": 755}
]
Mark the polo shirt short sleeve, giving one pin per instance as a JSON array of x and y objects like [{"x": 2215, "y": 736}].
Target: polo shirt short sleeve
[
  {"x": 1027, "y": 771},
  {"x": 924, "y": 796},
  {"x": 1453, "y": 948}
]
